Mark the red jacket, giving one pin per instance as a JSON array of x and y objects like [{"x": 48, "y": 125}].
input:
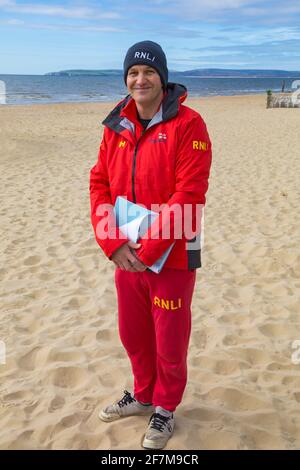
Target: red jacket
[{"x": 168, "y": 163}]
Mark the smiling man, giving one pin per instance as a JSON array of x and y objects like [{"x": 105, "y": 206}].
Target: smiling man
[
  {"x": 149, "y": 155},
  {"x": 144, "y": 85}
]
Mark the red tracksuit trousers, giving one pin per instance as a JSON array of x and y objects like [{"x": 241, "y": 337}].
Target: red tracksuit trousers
[{"x": 154, "y": 327}]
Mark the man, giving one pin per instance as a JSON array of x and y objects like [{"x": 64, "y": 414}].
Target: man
[{"x": 154, "y": 151}]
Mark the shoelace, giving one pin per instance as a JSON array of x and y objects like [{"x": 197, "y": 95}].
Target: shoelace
[
  {"x": 159, "y": 421},
  {"x": 128, "y": 398}
]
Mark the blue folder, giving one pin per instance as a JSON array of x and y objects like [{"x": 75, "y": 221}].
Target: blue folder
[{"x": 134, "y": 220}]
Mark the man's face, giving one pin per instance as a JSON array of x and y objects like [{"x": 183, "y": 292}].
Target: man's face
[{"x": 144, "y": 84}]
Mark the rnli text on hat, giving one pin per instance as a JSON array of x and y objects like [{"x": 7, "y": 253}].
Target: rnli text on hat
[{"x": 143, "y": 55}]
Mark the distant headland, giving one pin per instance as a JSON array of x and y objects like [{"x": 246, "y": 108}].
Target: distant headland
[{"x": 204, "y": 73}]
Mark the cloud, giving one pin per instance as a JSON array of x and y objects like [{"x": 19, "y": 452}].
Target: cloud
[
  {"x": 57, "y": 11},
  {"x": 221, "y": 37},
  {"x": 13, "y": 22},
  {"x": 197, "y": 5},
  {"x": 226, "y": 11},
  {"x": 63, "y": 27},
  {"x": 175, "y": 31},
  {"x": 197, "y": 12},
  {"x": 277, "y": 54}
]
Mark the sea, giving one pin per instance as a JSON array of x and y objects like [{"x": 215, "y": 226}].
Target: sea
[{"x": 42, "y": 89}]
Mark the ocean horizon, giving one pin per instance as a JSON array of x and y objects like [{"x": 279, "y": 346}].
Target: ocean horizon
[{"x": 43, "y": 89}]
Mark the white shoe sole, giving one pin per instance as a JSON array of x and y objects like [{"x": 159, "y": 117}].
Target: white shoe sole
[
  {"x": 107, "y": 418},
  {"x": 149, "y": 444}
]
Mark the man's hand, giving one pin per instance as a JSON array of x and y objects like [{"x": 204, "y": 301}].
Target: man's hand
[{"x": 126, "y": 259}]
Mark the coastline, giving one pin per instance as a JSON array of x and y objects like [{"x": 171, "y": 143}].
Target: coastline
[{"x": 112, "y": 102}]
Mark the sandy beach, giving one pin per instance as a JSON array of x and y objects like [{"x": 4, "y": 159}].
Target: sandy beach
[{"x": 64, "y": 359}]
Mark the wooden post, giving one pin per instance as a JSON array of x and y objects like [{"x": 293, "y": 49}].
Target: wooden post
[{"x": 269, "y": 98}]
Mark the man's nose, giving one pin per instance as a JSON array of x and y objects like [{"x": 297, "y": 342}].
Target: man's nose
[{"x": 141, "y": 78}]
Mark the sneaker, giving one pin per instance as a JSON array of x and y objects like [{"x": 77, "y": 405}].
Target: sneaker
[
  {"x": 159, "y": 431},
  {"x": 127, "y": 406}
]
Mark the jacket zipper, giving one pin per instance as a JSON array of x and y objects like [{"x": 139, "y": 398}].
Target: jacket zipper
[{"x": 134, "y": 165}]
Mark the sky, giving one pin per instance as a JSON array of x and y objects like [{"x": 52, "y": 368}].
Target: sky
[{"x": 37, "y": 37}]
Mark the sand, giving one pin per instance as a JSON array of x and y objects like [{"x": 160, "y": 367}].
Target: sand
[{"x": 64, "y": 359}]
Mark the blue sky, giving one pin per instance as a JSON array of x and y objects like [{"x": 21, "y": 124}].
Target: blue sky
[{"x": 42, "y": 36}]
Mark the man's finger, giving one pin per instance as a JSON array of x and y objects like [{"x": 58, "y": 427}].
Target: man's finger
[
  {"x": 128, "y": 267},
  {"x": 134, "y": 245},
  {"x": 139, "y": 266},
  {"x": 132, "y": 268},
  {"x": 132, "y": 259}
]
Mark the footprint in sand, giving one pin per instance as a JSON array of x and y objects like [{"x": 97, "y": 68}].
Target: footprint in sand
[
  {"x": 32, "y": 260},
  {"x": 68, "y": 377},
  {"x": 57, "y": 403}
]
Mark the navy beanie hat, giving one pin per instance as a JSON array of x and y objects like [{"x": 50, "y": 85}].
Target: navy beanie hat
[{"x": 147, "y": 53}]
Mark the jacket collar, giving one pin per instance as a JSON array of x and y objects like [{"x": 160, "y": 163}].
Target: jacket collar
[{"x": 124, "y": 116}]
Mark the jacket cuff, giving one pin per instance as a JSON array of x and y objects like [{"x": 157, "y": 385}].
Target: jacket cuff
[{"x": 116, "y": 245}]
